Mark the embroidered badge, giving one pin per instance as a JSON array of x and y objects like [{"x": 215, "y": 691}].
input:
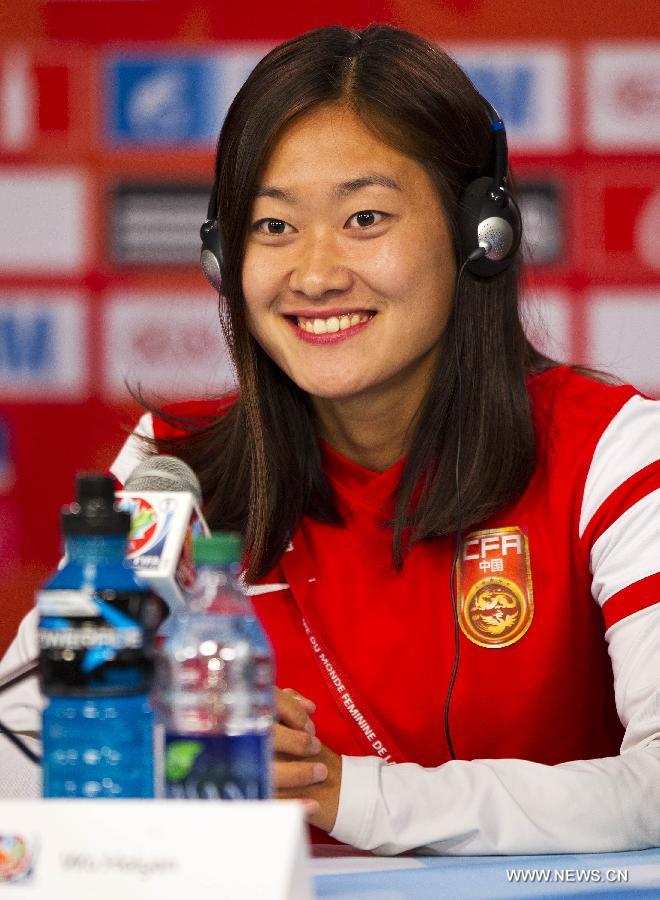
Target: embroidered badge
[{"x": 495, "y": 599}]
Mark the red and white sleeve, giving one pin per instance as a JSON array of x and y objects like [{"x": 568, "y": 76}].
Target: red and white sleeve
[
  {"x": 620, "y": 520},
  {"x": 620, "y": 515}
]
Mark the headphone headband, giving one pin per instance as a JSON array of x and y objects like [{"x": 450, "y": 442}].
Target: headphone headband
[{"x": 501, "y": 152}]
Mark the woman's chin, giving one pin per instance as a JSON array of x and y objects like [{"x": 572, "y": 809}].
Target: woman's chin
[{"x": 332, "y": 389}]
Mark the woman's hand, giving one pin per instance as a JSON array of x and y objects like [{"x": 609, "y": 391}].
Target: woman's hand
[
  {"x": 304, "y": 769},
  {"x": 295, "y": 743}
]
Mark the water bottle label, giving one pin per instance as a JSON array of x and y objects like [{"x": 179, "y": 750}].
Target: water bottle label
[
  {"x": 97, "y": 642},
  {"x": 218, "y": 767}
]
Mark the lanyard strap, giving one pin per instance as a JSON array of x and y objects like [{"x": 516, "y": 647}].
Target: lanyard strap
[
  {"x": 372, "y": 734},
  {"x": 373, "y": 737}
]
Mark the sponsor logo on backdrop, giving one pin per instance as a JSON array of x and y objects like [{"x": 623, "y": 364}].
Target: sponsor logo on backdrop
[
  {"x": 529, "y": 88},
  {"x": 35, "y": 100},
  {"x": 623, "y": 96},
  {"x": 169, "y": 344},
  {"x": 172, "y": 99},
  {"x": 46, "y": 221},
  {"x": 43, "y": 346},
  {"x": 157, "y": 224},
  {"x": 162, "y": 99},
  {"x": 7, "y": 466},
  {"x": 541, "y": 207},
  {"x": 623, "y": 202},
  {"x": 631, "y": 220},
  {"x": 647, "y": 228},
  {"x": 10, "y": 530},
  {"x": 622, "y": 335}
]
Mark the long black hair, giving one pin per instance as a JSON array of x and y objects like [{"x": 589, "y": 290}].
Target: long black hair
[{"x": 259, "y": 463}]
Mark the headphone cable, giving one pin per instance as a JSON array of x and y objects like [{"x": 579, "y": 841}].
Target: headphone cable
[{"x": 481, "y": 251}]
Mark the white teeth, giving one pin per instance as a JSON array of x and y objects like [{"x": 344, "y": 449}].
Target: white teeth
[{"x": 334, "y": 323}]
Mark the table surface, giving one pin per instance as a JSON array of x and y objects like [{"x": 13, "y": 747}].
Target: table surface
[
  {"x": 347, "y": 874},
  {"x": 344, "y": 873}
]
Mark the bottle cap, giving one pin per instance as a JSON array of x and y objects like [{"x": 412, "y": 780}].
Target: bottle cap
[
  {"x": 94, "y": 510},
  {"x": 221, "y": 548}
]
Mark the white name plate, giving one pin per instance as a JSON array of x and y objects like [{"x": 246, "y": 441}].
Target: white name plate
[{"x": 170, "y": 849}]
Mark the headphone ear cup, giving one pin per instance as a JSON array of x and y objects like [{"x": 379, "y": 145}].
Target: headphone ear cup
[
  {"x": 211, "y": 256},
  {"x": 482, "y": 219}
]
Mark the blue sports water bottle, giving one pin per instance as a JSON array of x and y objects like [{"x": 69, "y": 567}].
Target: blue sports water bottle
[
  {"x": 97, "y": 626},
  {"x": 216, "y": 692}
]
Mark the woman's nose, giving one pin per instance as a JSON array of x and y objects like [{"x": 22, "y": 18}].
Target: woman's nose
[{"x": 319, "y": 268}]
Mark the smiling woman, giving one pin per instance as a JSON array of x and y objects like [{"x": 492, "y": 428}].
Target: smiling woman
[
  {"x": 340, "y": 188},
  {"x": 413, "y": 479},
  {"x": 375, "y": 384}
]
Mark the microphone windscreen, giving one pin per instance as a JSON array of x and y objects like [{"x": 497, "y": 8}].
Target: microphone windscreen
[{"x": 164, "y": 473}]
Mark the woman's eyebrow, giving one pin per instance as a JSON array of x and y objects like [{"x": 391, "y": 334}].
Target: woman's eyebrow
[
  {"x": 341, "y": 190},
  {"x": 356, "y": 184}
]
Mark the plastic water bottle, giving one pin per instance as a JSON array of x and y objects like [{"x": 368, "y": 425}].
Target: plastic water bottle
[
  {"x": 216, "y": 696},
  {"x": 97, "y": 626}
]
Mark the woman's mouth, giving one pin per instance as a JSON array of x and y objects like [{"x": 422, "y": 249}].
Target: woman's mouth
[
  {"x": 330, "y": 329},
  {"x": 333, "y": 323}
]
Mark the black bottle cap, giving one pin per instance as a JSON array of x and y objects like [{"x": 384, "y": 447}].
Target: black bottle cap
[{"x": 94, "y": 510}]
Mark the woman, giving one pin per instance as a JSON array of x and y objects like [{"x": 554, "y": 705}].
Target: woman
[{"x": 389, "y": 400}]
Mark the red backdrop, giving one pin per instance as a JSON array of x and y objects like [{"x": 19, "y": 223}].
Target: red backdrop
[{"x": 96, "y": 138}]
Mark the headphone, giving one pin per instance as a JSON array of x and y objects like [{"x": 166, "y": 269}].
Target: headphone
[
  {"x": 489, "y": 223},
  {"x": 490, "y": 227},
  {"x": 212, "y": 252}
]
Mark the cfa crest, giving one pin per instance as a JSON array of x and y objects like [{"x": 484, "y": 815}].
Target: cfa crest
[{"x": 496, "y": 602}]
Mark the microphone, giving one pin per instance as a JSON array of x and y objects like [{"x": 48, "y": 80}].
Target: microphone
[
  {"x": 164, "y": 499},
  {"x": 164, "y": 473}
]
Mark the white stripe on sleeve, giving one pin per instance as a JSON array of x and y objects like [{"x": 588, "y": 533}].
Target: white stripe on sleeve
[
  {"x": 133, "y": 451},
  {"x": 254, "y": 590},
  {"x": 628, "y": 550},
  {"x": 629, "y": 443}
]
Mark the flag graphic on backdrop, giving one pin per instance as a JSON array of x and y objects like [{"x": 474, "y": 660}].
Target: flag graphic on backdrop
[{"x": 34, "y": 100}]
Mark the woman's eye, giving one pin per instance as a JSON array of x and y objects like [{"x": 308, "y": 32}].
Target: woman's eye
[
  {"x": 367, "y": 217},
  {"x": 271, "y": 226}
]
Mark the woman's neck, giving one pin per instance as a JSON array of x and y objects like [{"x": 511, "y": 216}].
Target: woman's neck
[{"x": 374, "y": 432}]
